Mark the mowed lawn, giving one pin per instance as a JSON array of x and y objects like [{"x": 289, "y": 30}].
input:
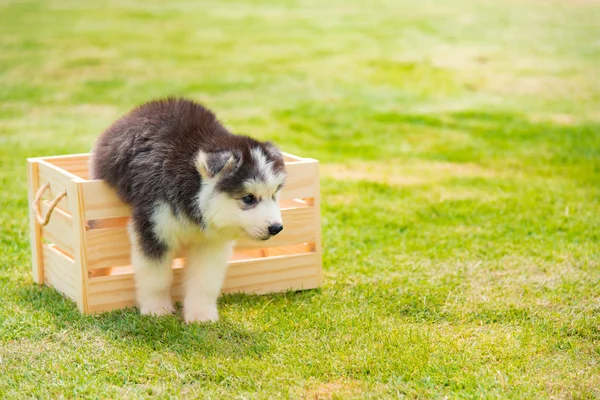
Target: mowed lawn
[{"x": 460, "y": 158}]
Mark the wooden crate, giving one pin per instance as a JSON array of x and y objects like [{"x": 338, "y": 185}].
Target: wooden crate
[{"x": 83, "y": 251}]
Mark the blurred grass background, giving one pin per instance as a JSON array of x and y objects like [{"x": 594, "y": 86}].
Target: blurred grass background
[{"x": 460, "y": 151}]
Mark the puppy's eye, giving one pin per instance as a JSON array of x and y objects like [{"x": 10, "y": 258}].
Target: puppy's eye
[{"x": 249, "y": 199}]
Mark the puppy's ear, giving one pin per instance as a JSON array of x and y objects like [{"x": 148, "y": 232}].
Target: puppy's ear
[
  {"x": 272, "y": 150},
  {"x": 218, "y": 163},
  {"x": 275, "y": 157}
]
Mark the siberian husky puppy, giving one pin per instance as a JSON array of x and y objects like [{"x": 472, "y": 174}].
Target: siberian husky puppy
[{"x": 194, "y": 188}]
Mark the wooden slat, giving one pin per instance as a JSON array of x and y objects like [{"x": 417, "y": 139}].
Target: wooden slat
[
  {"x": 100, "y": 201},
  {"x": 80, "y": 172},
  {"x": 288, "y": 250},
  {"x": 111, "y": 247},
  {"x": 81, "y": 159},
  {"x": 59, "y": 230},
  {"x": 283, "y": 285},
  {"x": 288, "y": 157},
  {"x": 109, "y": 223},
  {"x": 78, "y": 164},
  {"x": 105, "y": 294},
  {"x": 249, "y": 276},
  {"x": 271, "y": 268},
  {"x": 66, "y": 157},
  {"x": 239, "y": 255},
  {"x": 59, "y": 179},
  {"x": 266, "y": 275},
  {"x": 302, "y": 180},
  {"x": 70, "y": 162},
  {"x": 59, "y": 271},
  {"x": 108, "y": 248},
  {"x": 123, "y": 221}
]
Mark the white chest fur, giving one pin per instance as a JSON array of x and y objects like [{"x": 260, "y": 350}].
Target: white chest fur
[{"x": 178, "y": 232}]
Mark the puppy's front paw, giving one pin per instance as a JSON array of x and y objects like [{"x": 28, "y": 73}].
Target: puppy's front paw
[{"x": 201, "y": 314}]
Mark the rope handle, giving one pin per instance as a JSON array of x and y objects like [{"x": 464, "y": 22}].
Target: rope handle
[{"x": 43, "y": 221}]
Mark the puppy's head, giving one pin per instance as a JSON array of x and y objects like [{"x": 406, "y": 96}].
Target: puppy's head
[{"x": 240, "y": 189}]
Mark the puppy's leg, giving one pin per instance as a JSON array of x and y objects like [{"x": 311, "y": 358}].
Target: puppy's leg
[
  {"x": 205, "y": 270},
  {"x": 153, "y": 276}
]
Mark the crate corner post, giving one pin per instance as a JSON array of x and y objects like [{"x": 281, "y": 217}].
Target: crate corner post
[
  {"x": 35, "y": 230},
  {"x": 318, "y": 229},
  {"x": 79, "y": 245}
]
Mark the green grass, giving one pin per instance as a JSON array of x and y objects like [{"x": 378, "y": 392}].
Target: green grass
[{"x": 460, "y": 150}]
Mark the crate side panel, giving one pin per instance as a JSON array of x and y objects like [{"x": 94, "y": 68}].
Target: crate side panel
[
  {"x": 100, "y": 201},
  {"x": 59, "y": 181},
  {"x": 111, "y": 247},
  {"x": 59, "y": 272},
  {"x": 59, "y": 230}
]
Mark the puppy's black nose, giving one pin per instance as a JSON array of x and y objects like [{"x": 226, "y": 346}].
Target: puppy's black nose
[{"x": 275, "y": 229}]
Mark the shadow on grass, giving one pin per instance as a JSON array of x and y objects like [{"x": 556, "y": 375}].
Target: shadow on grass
[{"x": 126, "y": 328}]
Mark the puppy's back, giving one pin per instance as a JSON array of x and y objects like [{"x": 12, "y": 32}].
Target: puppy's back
[{"x": 133, "y": 153}]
